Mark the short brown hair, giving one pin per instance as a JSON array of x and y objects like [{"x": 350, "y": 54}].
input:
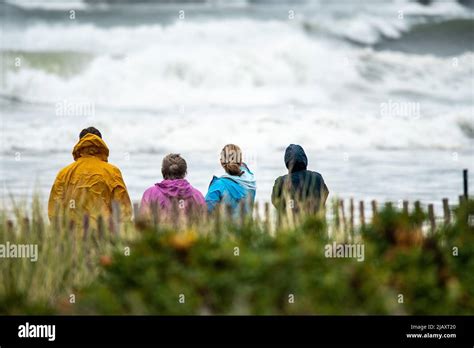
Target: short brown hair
[
  {"x": 90, "y": 130},
  {"x": 231, "y": 159},
  {"x": 174, "y": 166}
]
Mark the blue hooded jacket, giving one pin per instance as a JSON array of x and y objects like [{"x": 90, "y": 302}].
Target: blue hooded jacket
[{"x": 231, "y": 189}]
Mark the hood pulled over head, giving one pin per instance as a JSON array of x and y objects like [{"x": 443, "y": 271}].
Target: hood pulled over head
[
  {"x": 91, "y": 145},
  {"x": 295, "y": 158}
]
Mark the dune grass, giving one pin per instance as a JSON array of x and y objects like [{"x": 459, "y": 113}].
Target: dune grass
[{"x": 216, "y": 265}]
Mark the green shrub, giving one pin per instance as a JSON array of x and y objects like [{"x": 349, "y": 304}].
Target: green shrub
[{"x": 263, "y": 276}]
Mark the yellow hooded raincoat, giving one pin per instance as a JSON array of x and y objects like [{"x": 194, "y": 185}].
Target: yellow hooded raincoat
[{"x": 89, "y": 185}]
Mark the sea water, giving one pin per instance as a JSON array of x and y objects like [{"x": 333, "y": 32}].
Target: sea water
[{"x": 380, "y": 94}]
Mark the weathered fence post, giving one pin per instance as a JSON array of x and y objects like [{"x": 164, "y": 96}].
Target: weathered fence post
[
  {"x": 337, "y": 219},
  {"x": 85, "y": 226},
  {"x": 175, "y": 214},
  {"x": 290, "y": 216},
  {"x": 431, "y": 216},
  {"x": 56, "y": 221},
  {"x": 115, "y": 218},
  {"x": 26, "y": 224},
  {"x": 465, "y": 184},
  {"x": 351, "y": 218},
  {"x": 204, "y": 216},
  {"x": 136, "y": 212},
  {"x": 155, "y": 215},
  {"x": 278, "y": 219},
  {"x": 9, "y": 227},
  {"x": 217, "y": 219},
  {"x": 100, "y": 226},
  {"x": 267, "y": 217},
  {"x": 374, "y": 209},
  {"x": 182, "y": 216},
  {"x": 228, "y": 215},
  {"x": 447, "y": 212},
  {"x": 362, "y": 213},
  {"x": 417, "y": 205},
  {"x": 242, "y": 212},
  {"x": 72, "y": 226},
  {"x": 256, "y": 212},
  {"x": 405, "y": 207},
  {"x": 343, "y": 218},
  {"x": 72, "y": 234}
]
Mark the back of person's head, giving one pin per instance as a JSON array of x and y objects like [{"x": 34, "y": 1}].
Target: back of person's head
[
  {"x": 174, "y": 166},
  {"x": 231, "y": 159},
  {"x": 295, "y": 158},
  {"x": 90, "y": 130}
]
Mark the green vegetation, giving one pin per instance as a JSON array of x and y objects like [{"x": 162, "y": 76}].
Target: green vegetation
[{"x": 241, "y": 267}]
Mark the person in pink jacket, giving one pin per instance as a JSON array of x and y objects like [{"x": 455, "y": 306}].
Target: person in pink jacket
[{"x": 173, "y": 190}]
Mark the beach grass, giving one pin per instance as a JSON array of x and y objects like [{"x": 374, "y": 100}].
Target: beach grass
[{"x": 216, "y": 265}]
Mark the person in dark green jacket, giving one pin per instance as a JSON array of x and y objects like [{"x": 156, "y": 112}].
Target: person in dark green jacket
[{"x": 300, "y": 189}]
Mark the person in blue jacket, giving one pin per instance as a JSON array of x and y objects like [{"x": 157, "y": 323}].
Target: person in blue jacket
[{"x": 237, "y": 184}]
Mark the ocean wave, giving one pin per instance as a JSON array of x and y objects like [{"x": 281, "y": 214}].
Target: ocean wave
[
  {"x": 198, "y": 84},
  {"x": 61, "y": 63},
  {"x": 375, "y": 24},
  {"x": 212, "y": 62},
  {"x": 34, "y": 130},
  {"x": 49, "y": 5},
  {"x": 151, "y": 65},
  {"x": 357, "y": 22}
]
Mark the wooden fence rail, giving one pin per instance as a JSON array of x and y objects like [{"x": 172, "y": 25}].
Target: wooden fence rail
[
  {"x": 341, "y": 217},
  {"x": 338, "y": 216}
]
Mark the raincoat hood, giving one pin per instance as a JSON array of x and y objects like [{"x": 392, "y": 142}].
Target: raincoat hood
[
  {"x": 176, "y": 188},
  {"x": 168, "y": 191},
  {"x": 91, "y": 183},
  {"x": 247, "y": 179},
  {"x": 295, "y": 158},
  {"x": 231, "y": 189},
  {"x": 91, "y": 145}
]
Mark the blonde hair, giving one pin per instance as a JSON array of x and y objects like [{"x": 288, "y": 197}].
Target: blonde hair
[{"x": 231, "y": 159}]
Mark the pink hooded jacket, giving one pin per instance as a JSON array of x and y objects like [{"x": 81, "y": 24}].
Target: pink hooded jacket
[{"x": 163, "y": 194}]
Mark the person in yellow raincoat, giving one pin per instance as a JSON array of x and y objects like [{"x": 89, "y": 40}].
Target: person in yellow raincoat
[{"x": 90, "y": 184}]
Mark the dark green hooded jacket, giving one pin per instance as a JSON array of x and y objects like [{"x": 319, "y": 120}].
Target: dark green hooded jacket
[{"x": 301, "y": 188}]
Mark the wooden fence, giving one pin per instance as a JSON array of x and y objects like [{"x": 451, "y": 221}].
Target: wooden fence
[{"x": 342, "y": 216}]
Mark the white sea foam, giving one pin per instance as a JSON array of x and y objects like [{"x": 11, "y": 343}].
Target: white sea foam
[
  {"x": 214, "y": 63},
  {"x": 205, "y": 83},
  {"x": 49, "y": 4},
  {"x": 154, "y": 87}
]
